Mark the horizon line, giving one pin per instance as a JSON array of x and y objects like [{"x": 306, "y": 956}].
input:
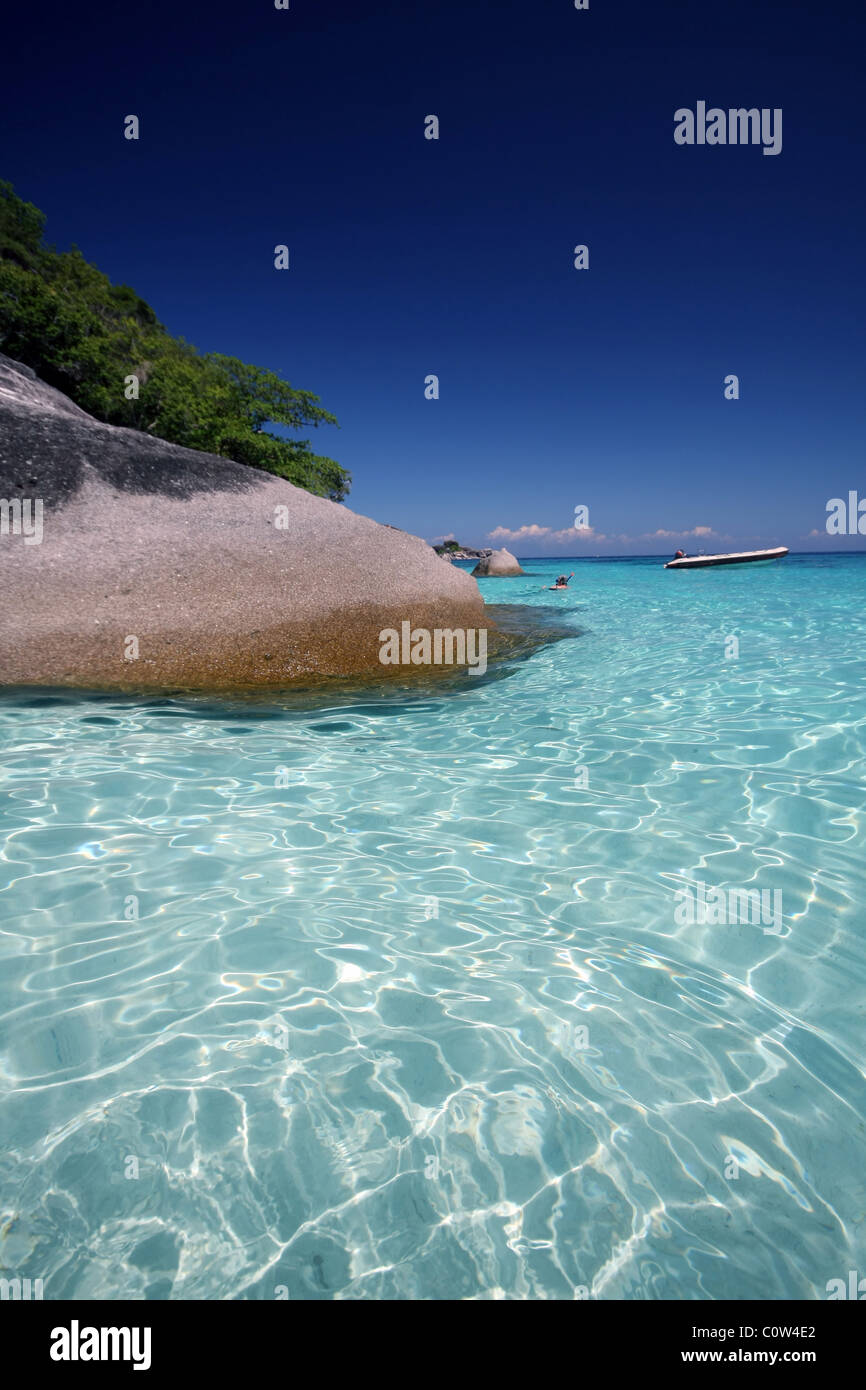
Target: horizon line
[{"x": 660, "y": 554}]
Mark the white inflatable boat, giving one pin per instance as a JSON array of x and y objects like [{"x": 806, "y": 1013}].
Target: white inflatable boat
[{"x": 695, "y": 562}]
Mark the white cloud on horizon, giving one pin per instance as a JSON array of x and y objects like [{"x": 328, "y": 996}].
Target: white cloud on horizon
[
  {"x": 534, "y": 532},
  {"x": 695, "y": 531},
  {"x": 507, "y": 535}
]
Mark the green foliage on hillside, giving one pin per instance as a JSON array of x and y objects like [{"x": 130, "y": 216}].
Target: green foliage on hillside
[{"x": 63, "y": 317}]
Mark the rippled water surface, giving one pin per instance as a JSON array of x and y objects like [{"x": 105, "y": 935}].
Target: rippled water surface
[{"x": 390, "y": 997}]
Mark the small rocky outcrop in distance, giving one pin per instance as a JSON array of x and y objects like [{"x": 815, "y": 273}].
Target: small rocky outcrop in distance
[{"x": 459, "y": 552}]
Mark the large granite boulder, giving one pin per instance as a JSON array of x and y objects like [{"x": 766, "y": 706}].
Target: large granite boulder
[
  {"x": 225, "y": 576},
  {"x": 497, "y": 563}
]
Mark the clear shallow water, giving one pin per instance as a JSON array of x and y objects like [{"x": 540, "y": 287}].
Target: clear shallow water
[{"x": 341, "y": 1045}]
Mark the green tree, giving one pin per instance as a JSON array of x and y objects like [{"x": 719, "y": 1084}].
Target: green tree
[
  {"x": 61, "y": 316},
  {"x": 21, "y": 227}
]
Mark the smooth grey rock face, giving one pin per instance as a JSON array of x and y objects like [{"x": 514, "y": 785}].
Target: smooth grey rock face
[
  {"x": 497, "y": 563},
  {"x": 226, "y": 575},
  {"x": 42, "y": 426}
]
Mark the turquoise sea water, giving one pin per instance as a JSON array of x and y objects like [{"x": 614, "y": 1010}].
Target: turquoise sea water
[{"x": 416, "y": 1017}]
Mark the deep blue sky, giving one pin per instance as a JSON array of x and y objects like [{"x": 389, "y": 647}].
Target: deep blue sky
[{"x": 411, "y": 257}]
